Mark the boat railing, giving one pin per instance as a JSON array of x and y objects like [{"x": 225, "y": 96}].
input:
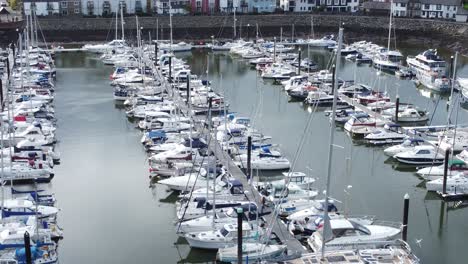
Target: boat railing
[{"x": 394, "y": 224}]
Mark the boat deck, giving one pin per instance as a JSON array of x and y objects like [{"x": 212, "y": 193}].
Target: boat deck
[{"x": 362, "y": 108}]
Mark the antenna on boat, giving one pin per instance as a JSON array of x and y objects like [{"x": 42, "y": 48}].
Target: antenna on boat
[{"x": 326, "y": 231}]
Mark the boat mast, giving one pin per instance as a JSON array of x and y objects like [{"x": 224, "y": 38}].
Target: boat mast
[
  {"x": 326, "y": 220},
  {"x": 170, "y": 22},
  {"x": 122, "y": 21},
  {"x": 281, "y": 35},
  {"x": 312, "y": 27},
  {"x": 116, "y": 24},
  {"x": 157, "y": 30},
  {"x": 35, "y": 28},
  {"x": 389, "y": 30}
]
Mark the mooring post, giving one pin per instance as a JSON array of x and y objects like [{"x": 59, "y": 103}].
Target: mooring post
[
  {"x": 155, "y": 53},
  {"x": 299, "y": 64},
  {"x": 451, "y": 67},
  {"x": 8, "y": 67},
  {"x": 188, "y": 89},
  {"x": 404, "y": 232},
  {"x": 397, "y": 108},
  {"x": 446, "y": 161},
  {"x": 333, "y": 80},
  {"x": 1, "y": 93},
  {"x": 249, "y": 156},
  {"x": 27, "y": 247},
  {"x": 240, "y": 214}
]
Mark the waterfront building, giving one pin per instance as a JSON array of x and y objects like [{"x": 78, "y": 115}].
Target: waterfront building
[
  {"x": 440, "y": 9},
  {"x": 42, "y": 7},
  {"x": 338, "y": 5},
  {"x": 298, "y": 5},
  {"x": 247, "y": 6},
  {"x": 376, "y": 8},
  {"x": 177, "y": 7},
  {"x": 109, "y": 7}
]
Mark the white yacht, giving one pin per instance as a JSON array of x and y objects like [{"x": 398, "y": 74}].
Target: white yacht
[
  {"x": 349, "y": 232},
  {"x": 430, "y": 70},
  {"x": 421, "y": 155},
  {"x": 407, "y": 145},
  {"x": 224, "y": 237},
  {"x": 437, "y": 172}
]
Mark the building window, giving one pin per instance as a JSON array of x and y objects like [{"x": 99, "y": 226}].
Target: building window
[
  {"x": 423, "y": 13},
  {"x": 403, "y": 13},
  {"x": 427, "y": 6},
  {"x": 453, "y": 16},
  {"x": 64, "y": 12},
  {"x": 447, "y": 15},
  {"x": 77, "y": 10},
  {"x": 337, "y": 2},
  {"x": 403, "y": 4},
  {"x": 64, "y": 4},
  {"x": 343, "y": 2},
  {"x": 329, "y": 2},
  {"x": 439, "y": 7},
  {"x": 77, "y": 3}
]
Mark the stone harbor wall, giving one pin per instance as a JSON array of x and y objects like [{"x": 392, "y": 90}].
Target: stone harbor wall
[{"x": 192, "y": 28}]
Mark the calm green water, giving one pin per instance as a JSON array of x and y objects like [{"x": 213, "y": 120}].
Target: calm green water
[{"x": 111, "y": 213}]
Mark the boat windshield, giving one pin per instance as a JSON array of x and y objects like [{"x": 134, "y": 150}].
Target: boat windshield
[{"x": 224, "y": 232}]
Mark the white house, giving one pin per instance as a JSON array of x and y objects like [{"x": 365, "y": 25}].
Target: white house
[
  {"x": 261, "y": 6},
  {"x": 441, "y": 9},
  {"x": 446, "y": 9},
  {"x": 297, "y": 5},
  {"x": 177, "y": 7},
  {"x": 107, "y": 7},
  {"x": 42, "y": 7},
  {"x": 338, "y": 5},
  {"x": 227, "y": 6},
  {"x": 400, "y": 8}
]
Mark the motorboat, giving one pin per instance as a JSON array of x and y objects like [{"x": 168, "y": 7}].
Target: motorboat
[
  {"x": 190, "y": 181},
  {"x": 224, "y": 189},
  {"x": 222, "y": 217},
  {"x": 421, "y": 155},
  {"x": 436, "y": 172},
  {"x": 360, "y": 124},
  {"x": 408, "y": 115},
  {"x": 201, "y": 206},
  {"x": 350, "y": 232},
  {"x": 456, "y": 185},
  {"x": 305, "y": 206},
  {"x": 180, "y": 153},
  {"x": 251, "y": 251},
  {"x": 224, "y": 237},
  {"x": 264, "y": 159},
  {"x": 407, "y": 145},
  {"x": 278, "y": 192},
  {"x": 323, "y": 42},
  {"x": 390, "y": 134},
  {"x": 430, "y": 70}
]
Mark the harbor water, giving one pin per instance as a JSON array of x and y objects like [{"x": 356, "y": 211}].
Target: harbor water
[{"x": 112, "y": 213}]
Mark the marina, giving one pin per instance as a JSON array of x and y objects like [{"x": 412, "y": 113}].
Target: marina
[
  {"x": 217, "y": 60},
  {"x": 254, "y": 151}
]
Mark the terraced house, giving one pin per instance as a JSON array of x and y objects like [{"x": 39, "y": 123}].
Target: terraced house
[{"x": 436, "y": 9}]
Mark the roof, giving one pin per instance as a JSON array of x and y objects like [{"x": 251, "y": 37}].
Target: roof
[
  {"x": 442, "y": 2},
  {"x": 462, "y": 11},
  {"x": 400, "y": 1},
  {"x": 376, "y": 5}
]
